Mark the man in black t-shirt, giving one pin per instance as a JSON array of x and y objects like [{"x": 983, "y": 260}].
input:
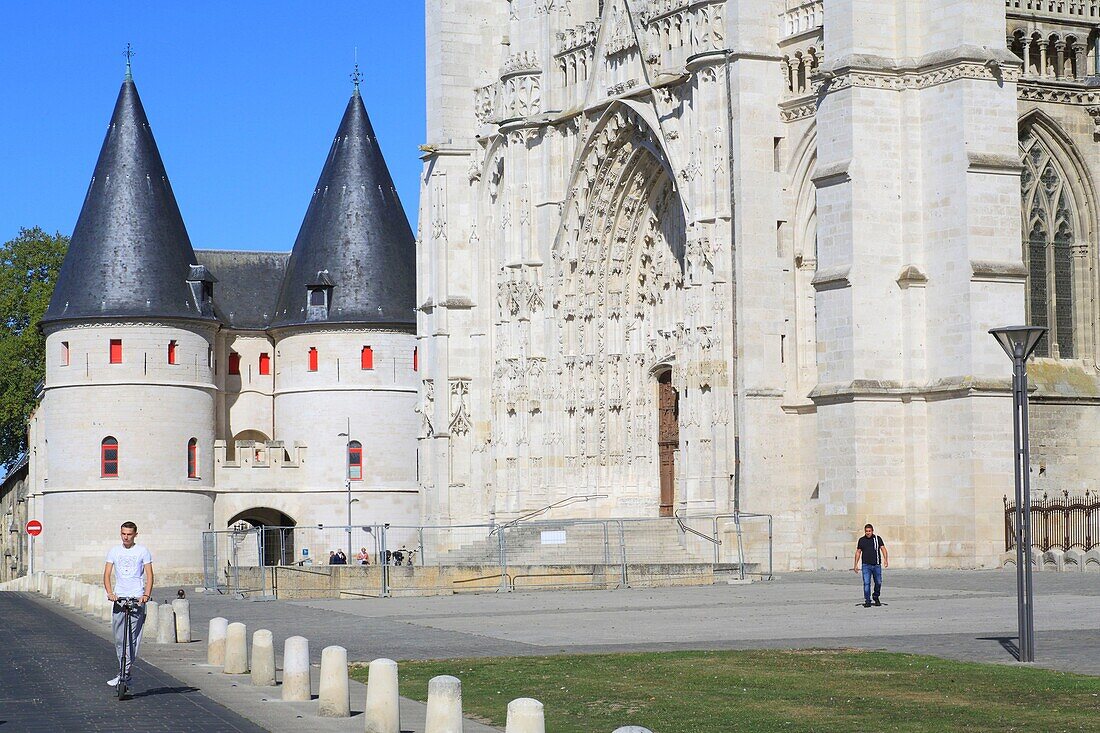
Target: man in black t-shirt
[{"x": 872, "y": 551}]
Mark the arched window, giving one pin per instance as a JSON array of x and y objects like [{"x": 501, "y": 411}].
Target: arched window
[
  {"x": 193, "y": 458},
  {"x": 108, "y": 453},
  {"x": 1049, "y": 236},
  {"x": 355, "y": 461}
]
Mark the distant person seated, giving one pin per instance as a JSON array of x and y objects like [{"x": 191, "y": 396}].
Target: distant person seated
[
  {"x": 340, "y": 558},
  {"x": 363, "y": 558}
]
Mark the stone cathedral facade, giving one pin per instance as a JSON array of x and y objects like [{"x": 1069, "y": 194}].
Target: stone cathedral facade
[{"x": 679, "y": 253}]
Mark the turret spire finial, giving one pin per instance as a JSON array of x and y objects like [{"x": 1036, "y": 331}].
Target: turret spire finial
[
  {"x": 129, "y": 55},
  {"x": 356, "y": 76}
]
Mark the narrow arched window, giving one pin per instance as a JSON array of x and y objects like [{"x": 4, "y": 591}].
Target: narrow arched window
[
  {"x": 171, "y": 352},
  {"x": 193, "y": 458},
  {"x": 108, "y": 458},
  {"x": 355, "y": 461},
  {"x": 313, "y": 358},
  {"x": 1049, "y": 237}
]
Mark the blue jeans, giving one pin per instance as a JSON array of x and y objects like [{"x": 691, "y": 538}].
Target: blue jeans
[{"x": 871, "y": 571}]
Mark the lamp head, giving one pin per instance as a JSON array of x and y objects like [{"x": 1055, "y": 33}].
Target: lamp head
[{"x": 1018, "y": 341}]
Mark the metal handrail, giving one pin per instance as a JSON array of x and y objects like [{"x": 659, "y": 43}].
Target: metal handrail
[
  {"x": 685, "y": 528},
  {"x": 543, "y": 510}
]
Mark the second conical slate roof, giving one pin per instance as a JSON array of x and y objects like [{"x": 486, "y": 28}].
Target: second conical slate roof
[
  {"x": 356, "y": 230},
  {"x": 130, "y": 255}
]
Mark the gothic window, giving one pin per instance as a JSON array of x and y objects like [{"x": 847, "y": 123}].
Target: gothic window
[
  {"x": 1049, "y": 223},
  {"x": 193, "y": 458},
  {"x": 108, "y": 453},
  {"x": 355, "y": 461}
]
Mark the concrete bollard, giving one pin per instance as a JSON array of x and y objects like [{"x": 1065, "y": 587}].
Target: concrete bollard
[
  {"x": 263, "y": 659},
  {"x": 152, "y": 617},
  {"x": 107, "y": 609},
  {"x": 236, "y": 649},
  {"x": 91, "y": 599},
  {"x": 333, "y": 696},
  {"x": 182, "y": 607},
  {"x": 215, "y": 641},
  {"x": 296, "y": 669},
  {"x": 166, "y": 625},
  {"x": 632, "y": 729},
  {"x": 382, "y": 714},
  {"x": 525, "y": 715},
  {"x": 444, "y": 713}
]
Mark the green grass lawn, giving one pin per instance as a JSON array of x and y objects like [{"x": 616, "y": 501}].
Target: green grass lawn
[{"x": 759, "y": 691}]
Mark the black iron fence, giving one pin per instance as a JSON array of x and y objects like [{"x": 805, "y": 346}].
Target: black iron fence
[{"x": 1058, "y": 522}]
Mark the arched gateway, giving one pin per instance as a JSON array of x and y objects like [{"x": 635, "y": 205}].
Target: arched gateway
[{"x": 278, "y": 533}]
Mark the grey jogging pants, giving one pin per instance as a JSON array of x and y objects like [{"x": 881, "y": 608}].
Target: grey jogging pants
[{"x": 118, "y": 626}]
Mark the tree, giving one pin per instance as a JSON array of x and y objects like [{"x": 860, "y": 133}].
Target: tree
[{"x": 29, "y": 265}]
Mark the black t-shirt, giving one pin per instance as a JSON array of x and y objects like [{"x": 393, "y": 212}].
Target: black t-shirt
[{"x": 868, "y": 547}]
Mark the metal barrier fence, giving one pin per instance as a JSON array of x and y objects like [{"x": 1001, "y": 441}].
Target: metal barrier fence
[
  {"x": 455, "y": 558},
  {"x": 1060, "y": 522}
]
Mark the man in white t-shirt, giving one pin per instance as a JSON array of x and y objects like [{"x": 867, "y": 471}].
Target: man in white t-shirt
[{"x": 133, "y": 570}]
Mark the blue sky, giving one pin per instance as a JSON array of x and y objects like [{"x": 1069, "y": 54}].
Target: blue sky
[{"x": 243, "y": 97}]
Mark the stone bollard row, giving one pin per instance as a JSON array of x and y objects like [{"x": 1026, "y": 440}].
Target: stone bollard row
[
  {"x": 444, "y": 713},
  {"x": 166, "y": 625},
  {"x": 263, "y": 659},
  {"x": 182, "y": 609},
  {"x": 382, "y": 713},
  {"x": 296, "y": 686},
  {"x": 215, "y": 641},
  {"x": 525, "y": 715},
  {"x": 236, "y": 649},
  {"x": 334, "y": 697}
]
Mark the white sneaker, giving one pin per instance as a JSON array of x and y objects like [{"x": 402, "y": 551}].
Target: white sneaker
[{"x": 113, "y": 682}]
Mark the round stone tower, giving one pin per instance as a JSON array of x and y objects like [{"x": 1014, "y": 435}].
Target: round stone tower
[
  {"x": 345, "y": 340},
  {"x": 128, "y": 398}
]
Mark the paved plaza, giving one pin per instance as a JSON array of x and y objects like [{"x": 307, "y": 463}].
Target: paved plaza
[
  {"x": 969, "y": 615},
  {"x": 952, "y": 614}
]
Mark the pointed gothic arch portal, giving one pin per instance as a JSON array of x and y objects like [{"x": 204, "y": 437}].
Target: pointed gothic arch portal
[
  {"x": 633, "y": 301},
  {"x": 668, "y": 440},
  {"x": 278, "y": 533}
]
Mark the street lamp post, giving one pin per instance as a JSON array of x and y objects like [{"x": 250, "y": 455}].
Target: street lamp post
[
  {"x": 347, "y": 477},
  {"x": 1019, "y": 342}
]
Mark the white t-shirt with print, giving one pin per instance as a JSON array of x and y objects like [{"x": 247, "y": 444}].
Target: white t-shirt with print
[{"x": 129, "y": 569}]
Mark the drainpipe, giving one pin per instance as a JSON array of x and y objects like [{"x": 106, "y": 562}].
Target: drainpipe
[{"x": 738, "y": 407}]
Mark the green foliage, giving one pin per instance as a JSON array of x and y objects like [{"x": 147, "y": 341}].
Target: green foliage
[
  {"x": 29, "y": 265},
  {"x": 768, "y": 691}
]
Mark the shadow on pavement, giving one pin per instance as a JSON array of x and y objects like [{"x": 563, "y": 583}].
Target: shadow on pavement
[
  {"x": 1008, "y": 643},
  {"x": 164, "y": 691}
]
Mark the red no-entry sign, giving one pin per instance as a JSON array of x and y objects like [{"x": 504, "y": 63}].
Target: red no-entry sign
[{"x": 34, "y": 528}]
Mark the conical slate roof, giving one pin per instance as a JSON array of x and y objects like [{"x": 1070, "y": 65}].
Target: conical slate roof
[
  {"x": 130, "y": 255},
  {"x": 355, "y": 241}
]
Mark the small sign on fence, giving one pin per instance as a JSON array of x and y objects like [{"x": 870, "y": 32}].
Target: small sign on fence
[{"x": 553, "y": 537}]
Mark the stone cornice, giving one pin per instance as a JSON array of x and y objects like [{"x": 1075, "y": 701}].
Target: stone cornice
[
  {"x": 887, "y": 390},
  {"x": 941, "y": 67},
  {"x": 997, "y": 271},
  {"x": 1048, "y": 90}
]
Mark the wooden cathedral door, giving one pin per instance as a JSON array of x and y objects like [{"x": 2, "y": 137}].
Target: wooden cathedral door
[{"x": 668, "y": 439}]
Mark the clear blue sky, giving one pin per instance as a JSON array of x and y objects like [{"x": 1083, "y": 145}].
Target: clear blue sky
[{"x": 243, "y": 97}]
